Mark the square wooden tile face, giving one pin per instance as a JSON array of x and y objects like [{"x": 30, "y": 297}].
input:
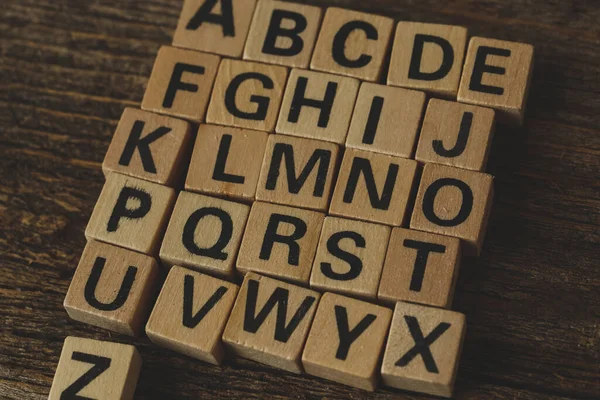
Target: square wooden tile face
[
  {"x": 181, "y": 83},
  {"x": 247, "y": 95},
  {"x": 420, "y": 267},
  {"x": 423, "y": 349},
  {"x": 204, "y": 234},
  {"x": 283, "y": 33},
  {"x": 350, "y": 257},
  {"x": 112, "y": 288},
  {"x": 214, "y": 26},
  {"x": 346, "y": 341},
  {"x": 352, "y": 43},
  {"x": 270, "y": 321},
  {"x": 190, "y": 314},
  {"x": 226, "y": 162},
  {"x": 95, "y": 369}
]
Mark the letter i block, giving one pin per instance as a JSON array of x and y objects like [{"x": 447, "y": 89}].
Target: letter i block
[
  {"x": 91, "y": 369},
  {"x": 423, "y": 349},
  {"x": 190, "y": 314},
  {"x": 346, "y": 341},
  {"x": 270, "y": 321}
]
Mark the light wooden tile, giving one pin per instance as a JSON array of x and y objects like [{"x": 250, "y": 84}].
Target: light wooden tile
[
  {"x": 497, "y": 74},
  {"x": 455, "y": 134},
  {"x": 423, "y": 349},
  {"x": 181, "y": 83},
  {"x": 420, "y": 267},
  {"x": 204, "y": 234},
  {"x": 386, "y": 120},
  {"x": 352, "y": 43},
  {"x": 190, "y": 314},
  {"x": 350, "y": 257},
  {"x": 131, "y": 213},
  {"x": 373, "y": 187},
  {"x": 226, "y": 162},
  {"x": 113, "y": 288},
  {"x": 270, "y": 321},
  {"x": 247, "y": 95},
  {"x": 428, "y": 57},
  {"x": 280, "y": 241},
  {"x": 93, "y": 369},
  {"x": 346, "y": 341},
  {"x": 317, "y": 105},
  {"x": 283, "y": 33},
  {"x": 214, "y": 26},
  {"x": 298, "y": 172},
  {"x": 454, "y": 202}
]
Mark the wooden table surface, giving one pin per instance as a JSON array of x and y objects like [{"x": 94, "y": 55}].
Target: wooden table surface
[{"x": 69, "y": 67}]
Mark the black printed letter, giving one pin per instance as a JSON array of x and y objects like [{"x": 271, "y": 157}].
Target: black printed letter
[
  {"x": 89, "y": 292},
  {"x": 347, "y": 336},
  {"x": 339, "y": 44},
  {"x": 100, "y": 364},
  {"x": 423, "y": 250},
  {"x": 204, "y": 14},
  {"x": 262, "y": 102},
  {"x": 143, "y": 146},
  {"x": 465, "y": 207},
  {"x": 480, "y": 67},
  {"x": 120, "y": 209},
  {"x": 175, "y": 83},
  {"x": 415, "y": 72},
  {"x": 363, "y": 166},
  {"x": 189, "y": 319},
  {"x": 299, "y": 100},
  {"x": 355, "y": 263},
  {"x": 422, "y": 344},
  {"x": 189, "y": 230},
  {"x": 271, "y": 237},
  {"x": 461, "y": 140},
  {"x": 276, "y": 30}
]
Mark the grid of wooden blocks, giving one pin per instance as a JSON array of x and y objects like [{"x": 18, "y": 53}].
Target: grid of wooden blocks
[{"x": 266, "y": 153}]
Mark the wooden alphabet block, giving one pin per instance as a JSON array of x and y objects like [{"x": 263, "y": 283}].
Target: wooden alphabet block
[
  {"x": 247, "y": 95},
  {"x": 149, "y": 146},
  {"x": 420, "y": 267},
  {"x": 131, "y": 213},
  {"x": 386, "y": 120},
  {"x": 92, "y": 369},
  {"x": 204, "y": 234},
  {"x": 423, "y": 349},
  {"x": 428, "y": 57},
  {"x": 214, "y": 26},
  {"x": 280, "y": 242},
  {"x": 350, "y": 257},
  {"x": 454, "y": 202},
  {"x": 283, "y": 33},
  {"x": 317, "y": 106},
  {"x": 112, "y": 288},
  {"x": 346, "y": 341},
  {"x": 455, "y": 134},
  {"x": 226, "y": 162},
  {"x": 298, "y": 172},
  {"x": 270, "y": 321},
  {"x": 497, "y": 74},
  {"x": 352, "y": 43},
  {"x": 181, "y": 83},
  {"x": 373, "y": 187},
  {"x": 190, "y": 314}
]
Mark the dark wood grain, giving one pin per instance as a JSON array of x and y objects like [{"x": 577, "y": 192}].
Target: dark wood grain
[{"x": 532, "y": 300}]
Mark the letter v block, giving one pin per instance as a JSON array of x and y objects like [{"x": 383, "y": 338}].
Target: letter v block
[{"x": 270, "y": 321}]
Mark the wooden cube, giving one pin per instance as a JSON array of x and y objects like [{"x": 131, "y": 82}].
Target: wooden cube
[
  {"x": 190, "y": 314},
  {"x": 420, "y": 267},
  {"x": 247, "y": 95},
  {"x": 181, "y": 83},
  {"x": 93, "y": 369},
  {"x": 386, "y": 120},
  {"x": 214, "y": 26},
  {"x": 280, "y": 242},
  {"x": 454, "y": 202},
  {"x": 346, "y": 341},
  {"x": 497, "y": 74},
  {"x": 428, "y": 57},
  {"x": 298, "y": 172},
  {"x": 113, "y": 288},
  {"x": 226, "y": 162},
  {"x": 352, "y": 43},
  {"x": 131, "y": 213},
  {"x": 423, "y": 349},
  {"x": 283, "y": 33},
  {"x": 350, "y": 257},
  {"x": 270, "y": 321},
  {"x": 455, "y": 134},
  {"x": 204, "y": 234},
  {"x": 317, "y": 106},
  {"x": 373, "y": 187}
]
